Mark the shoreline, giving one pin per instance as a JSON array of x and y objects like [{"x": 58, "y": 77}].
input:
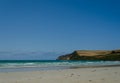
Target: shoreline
[
  {"x": 32, "y": 69},
  {"x": 100, "y": 66}
]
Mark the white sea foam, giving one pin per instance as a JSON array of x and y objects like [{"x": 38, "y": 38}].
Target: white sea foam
[{"x": 55, "y": 63}]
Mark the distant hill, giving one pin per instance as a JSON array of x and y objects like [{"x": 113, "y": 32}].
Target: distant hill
[{"x": 111, "y": 55}]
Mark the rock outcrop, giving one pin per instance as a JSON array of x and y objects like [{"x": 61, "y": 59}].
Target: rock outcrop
[{"x": 111, "y": 55}]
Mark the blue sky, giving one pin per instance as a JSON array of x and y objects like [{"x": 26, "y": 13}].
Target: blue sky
[{"x": 57, "y": 27}]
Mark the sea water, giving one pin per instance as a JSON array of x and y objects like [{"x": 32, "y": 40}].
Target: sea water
[{"x": 35, "y": 65}]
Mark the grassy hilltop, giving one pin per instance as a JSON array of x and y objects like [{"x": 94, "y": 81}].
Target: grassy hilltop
[{"x": 112, "y": 55}]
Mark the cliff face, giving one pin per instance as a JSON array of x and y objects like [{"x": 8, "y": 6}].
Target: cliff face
[{"x": 92, "y": 55}]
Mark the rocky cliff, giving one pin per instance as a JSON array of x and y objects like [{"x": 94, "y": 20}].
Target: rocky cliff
[{"x": 92, "y": 55}]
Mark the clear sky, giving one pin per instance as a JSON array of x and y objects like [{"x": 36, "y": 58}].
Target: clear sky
[{"x": 57, "y": 26}]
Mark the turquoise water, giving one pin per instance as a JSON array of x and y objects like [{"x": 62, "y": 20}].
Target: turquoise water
[{"x": 30, "y": 65}]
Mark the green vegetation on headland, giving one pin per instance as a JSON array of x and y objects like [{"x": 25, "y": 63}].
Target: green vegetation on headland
[{"x": 105, "y": 55}]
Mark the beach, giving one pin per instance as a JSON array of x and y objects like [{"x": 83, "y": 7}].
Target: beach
[{"x": 74, "y": 75}]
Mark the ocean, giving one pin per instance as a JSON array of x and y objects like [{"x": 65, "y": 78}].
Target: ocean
[{"x": 36, "y": 65}]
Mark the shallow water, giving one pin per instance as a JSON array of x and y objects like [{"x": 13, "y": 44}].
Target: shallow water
[{"x": 35, "y": 65}]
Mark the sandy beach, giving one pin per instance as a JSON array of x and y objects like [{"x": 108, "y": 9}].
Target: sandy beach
[{"x": 78, "y": 75}]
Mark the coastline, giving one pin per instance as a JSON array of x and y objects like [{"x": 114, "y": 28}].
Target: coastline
[
  {"x": 31, "y": 69},
  {"x": 104, "y": 74},
  {"x": 26, "y": 65},
  {"x": 100, "y": 66}
]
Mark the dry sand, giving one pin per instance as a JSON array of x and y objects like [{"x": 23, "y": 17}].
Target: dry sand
[{"x": 78, "y": 75}]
